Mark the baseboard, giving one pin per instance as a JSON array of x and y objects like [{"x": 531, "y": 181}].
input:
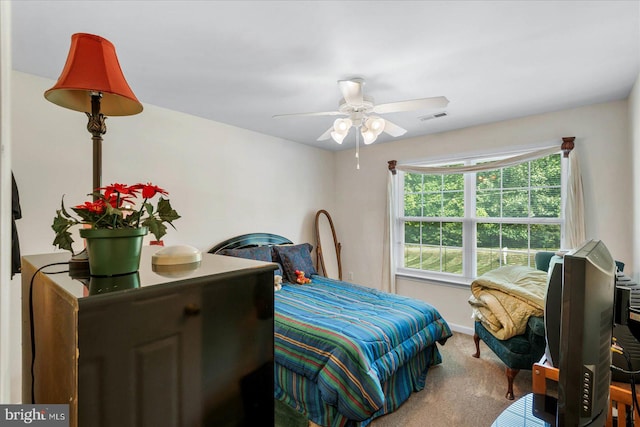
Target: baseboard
[{"x": 461, "y": 329}]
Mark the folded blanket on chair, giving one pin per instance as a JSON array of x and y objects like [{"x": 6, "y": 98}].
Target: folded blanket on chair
[{"x": 503, "y": 299}]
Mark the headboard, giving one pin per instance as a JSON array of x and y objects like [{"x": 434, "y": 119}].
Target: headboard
[{"x": 250, "y": 240}]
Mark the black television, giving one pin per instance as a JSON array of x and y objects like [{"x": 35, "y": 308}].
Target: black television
[{"x": 586, "y": 310}]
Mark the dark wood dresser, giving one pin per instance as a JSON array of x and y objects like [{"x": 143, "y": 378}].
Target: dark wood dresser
[{"x": 187, "y": 348}]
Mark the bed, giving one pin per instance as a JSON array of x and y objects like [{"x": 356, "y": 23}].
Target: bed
[{"x": 344, "y": 354}]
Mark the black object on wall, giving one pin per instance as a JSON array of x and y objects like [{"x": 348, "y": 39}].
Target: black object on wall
[{"x": 16, "y": 213}]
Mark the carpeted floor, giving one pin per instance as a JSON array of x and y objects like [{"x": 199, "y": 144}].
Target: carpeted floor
[{"x": 462, "y": 391}]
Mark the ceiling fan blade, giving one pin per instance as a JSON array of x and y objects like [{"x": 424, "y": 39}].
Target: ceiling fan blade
[
  {"x": 414, "y": 104},
  {"x": 352, "y": 91},
  {"x": 393, "y": 129},
  {"x": 323, "y": 113},
  {"x": 326, "y": 135}
]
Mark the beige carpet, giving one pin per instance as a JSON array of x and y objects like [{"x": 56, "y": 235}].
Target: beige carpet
[{"x": 462, "y": 391}]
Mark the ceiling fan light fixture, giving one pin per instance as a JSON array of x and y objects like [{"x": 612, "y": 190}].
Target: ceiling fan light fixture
[
  {"x": 342, "y": 125},
  {"x": 340, "y": 129},
  {"x": 368, "y": 136},
  {"x": 371, "y": 129},
  {"x": 338, "y": 137},
  {"x": 376, "y": 124}
]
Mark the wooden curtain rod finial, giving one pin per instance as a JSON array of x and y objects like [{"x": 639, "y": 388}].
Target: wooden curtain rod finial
[
  {"x": 392, "y": 166},
  {"x": 567, "y": 145}
]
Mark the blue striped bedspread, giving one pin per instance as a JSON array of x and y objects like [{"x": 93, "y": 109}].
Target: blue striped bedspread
[{"x": 350, "y": 339}]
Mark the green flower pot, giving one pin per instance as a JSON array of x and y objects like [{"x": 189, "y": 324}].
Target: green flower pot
[{"x": 113, "y": 252}]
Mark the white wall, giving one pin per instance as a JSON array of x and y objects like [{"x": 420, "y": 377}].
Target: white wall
[
  {"x": 602, "y": 142},
  {"x": 634, "y": 137},
  {"x": 222, "y": 180}
]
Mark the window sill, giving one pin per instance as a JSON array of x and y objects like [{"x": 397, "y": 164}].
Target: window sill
[{"x": 436, "y": 279}]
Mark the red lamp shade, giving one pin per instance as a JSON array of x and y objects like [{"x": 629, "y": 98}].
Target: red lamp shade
[{"x": 92, "y": 66}]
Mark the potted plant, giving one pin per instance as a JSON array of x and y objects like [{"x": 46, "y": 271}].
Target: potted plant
[{"x": 114, "y": 227}]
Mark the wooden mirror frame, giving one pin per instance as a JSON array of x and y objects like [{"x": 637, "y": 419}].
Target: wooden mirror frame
[{"x": 338, "y": 246}]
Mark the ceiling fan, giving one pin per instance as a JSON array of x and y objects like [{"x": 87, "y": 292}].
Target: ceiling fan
[{"x": 360, "y": 113}]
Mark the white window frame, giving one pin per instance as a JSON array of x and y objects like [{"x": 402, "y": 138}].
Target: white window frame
[{"x": 468, "y": 222}]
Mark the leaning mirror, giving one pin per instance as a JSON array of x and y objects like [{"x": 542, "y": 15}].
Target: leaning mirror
[{"x": 327, "y": 247}]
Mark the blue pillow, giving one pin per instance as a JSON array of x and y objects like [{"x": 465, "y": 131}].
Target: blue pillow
[
  {"x": 258, "y": 253},
  {"x": 295, "y": 257}
]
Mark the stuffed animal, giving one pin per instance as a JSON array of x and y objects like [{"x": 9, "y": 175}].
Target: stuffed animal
[
  {"x": 301, "y": 279},
  {"x": 277, "y": 283}
]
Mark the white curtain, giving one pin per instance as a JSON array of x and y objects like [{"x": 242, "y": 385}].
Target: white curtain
[
  {"x": 388, "y": 247},
  {"x": 574, "y": 229},
  {"x": 574, "y": 224}
]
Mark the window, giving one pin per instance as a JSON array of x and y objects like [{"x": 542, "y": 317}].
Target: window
[{"x": 462, "y": 225}]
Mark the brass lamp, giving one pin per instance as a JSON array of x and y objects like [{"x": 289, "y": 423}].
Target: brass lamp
[{"x": 92, "y": 82}]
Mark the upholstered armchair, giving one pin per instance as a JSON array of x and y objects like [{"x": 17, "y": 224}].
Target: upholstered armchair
[{"x": 521, "y": 351}]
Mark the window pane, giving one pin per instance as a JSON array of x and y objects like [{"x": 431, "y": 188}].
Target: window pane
[
  {"x": 432, "y": 204},
  {"x": 546, "y": 172},
  {"x": 431, "y": 233},
  {"x": 488, "y": 180},
  {"x": 432, "y": 183},
  {"x": 412, "y": 256},
  {"x": 515, "y": 257},
  {"x": 545, "y": 237},
  {"x": 516, "y": 176},
  {"x": 431, "y": 258},
  {"x": 452, "y": 234},
  {"x": 515, "y": 203},
  {"x": 488, "y": 235},
  {"x": 412, "y": 232},
  {"x": 412, "y": 183},
  {"x": 546, "y": 202},
  {"x": 453, "y": 204},
  {"x": 515, "y": 236},
  {"x": 413, "y": 204},
  {"x": 487, "y": 259},
  {"x": 488, "y": 204},
  {"x": 454, "y": 182},
  {"x": 452, "y": 260}
]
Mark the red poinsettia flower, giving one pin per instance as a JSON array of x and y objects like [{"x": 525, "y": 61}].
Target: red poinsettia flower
[
  {"x": 122, "y": 189},
  {"x": 149, "y": 190},
  {"x": 118, "y": 202},
  {"x": 95, "y": 207}
]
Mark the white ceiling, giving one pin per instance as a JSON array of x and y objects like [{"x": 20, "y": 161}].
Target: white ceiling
[{"x": 241, "y": 62}]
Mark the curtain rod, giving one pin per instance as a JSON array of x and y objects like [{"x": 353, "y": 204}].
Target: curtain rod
[{"x": 566, "y": 147}]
